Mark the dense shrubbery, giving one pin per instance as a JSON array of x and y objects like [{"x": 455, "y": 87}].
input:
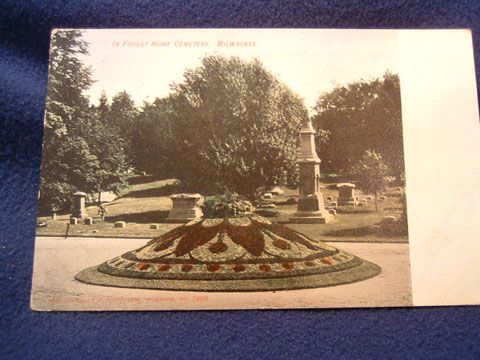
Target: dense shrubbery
[
  {"x": 227, "y": 205},
  {"x": 363, "y": 115},
  {"x": 370, "y": 172}
]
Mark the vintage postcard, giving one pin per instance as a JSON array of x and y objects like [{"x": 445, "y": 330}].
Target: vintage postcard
[{"x": 189, "y": 169}]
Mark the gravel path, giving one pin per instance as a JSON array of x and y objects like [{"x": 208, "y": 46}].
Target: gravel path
[{"x": 57, "y": 261}]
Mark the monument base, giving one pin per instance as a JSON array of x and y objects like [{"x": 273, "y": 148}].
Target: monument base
[
  {"x": 79, "y": 215},
  {"x": 311, "y": 211},
  {"x": 183, "y": 215},
  {"x": 347, "y": 201},
  {"x": 178, "y": 220},
  {"x": 311, "y": 218}
]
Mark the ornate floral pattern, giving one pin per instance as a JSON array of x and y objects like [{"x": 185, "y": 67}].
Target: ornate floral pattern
[{"x": 245, "y": 247}]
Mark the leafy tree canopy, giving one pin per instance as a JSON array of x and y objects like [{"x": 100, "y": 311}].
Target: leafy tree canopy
[
  {"x": 370, "y": 172},
  {"x": 79, "y": 152},
  {"x": 123, "y": 115},
  {"x": 357, "y": 117},
  {"x": 153, "y": 142},
  {"x": 230, "y": 125}
]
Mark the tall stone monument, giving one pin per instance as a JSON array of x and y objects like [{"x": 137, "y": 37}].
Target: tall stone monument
[
  {"x": 78, "y": 210},
  {"x": 311, "y": 208}
]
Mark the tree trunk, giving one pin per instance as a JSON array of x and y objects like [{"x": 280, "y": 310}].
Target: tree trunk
[
  {"x": 99, "y": 197},
  {"x": 376, "y": 201}
]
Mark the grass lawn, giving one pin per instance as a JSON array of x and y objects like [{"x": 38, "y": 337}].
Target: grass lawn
[{"x": 147, "y": 202}]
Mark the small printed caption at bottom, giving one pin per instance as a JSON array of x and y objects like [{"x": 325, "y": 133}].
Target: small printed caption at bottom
[{"x": 126, "y": 299}]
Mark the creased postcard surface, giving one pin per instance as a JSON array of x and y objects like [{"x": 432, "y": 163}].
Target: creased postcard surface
[{"x": 244, "y": 168}]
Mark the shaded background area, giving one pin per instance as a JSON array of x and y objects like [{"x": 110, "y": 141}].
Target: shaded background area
[{"x": 24, "y": 37}]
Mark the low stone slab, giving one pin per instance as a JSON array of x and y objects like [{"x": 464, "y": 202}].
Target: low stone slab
[
  {"x": 267, "y": 206},
  {"x": 268, "y": 195},
  {"x": 120, "y": 224},
  {"x": 276, "y": 190},
  {"x": 308, "y": 218},
  {"x": 154, "y": 226}
]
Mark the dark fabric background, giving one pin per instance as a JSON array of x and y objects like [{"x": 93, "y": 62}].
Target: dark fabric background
[{"x": 369, "y": 333}]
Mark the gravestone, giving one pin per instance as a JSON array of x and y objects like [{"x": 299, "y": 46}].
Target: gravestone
[
  {"x": 186, "y": 207},
  {"x": 266, "y": 205},
  {"x": 73, "y": 221},
  {"x": 311, "y": 208},
  {"x": 120, "y": 224},
  {"x": 268, "y": 195},
  {"x": 346, "y": 196},
  {"x": 390, "y": 219},
  {"x": 88, "y": 221},
  {"x": 78, "y": 210},
  {"x": 277, "y": 190}
]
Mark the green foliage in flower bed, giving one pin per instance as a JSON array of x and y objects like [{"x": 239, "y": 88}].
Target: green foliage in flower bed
[
  {"x": 267, "y": 213},
  {"x": 226, "y": 205}
]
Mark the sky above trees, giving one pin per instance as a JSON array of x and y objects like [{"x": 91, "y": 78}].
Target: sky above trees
[{"x": 310, "y": 62}]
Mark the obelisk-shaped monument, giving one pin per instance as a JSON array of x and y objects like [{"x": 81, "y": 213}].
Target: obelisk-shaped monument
[{"x": 311, "y": 208}]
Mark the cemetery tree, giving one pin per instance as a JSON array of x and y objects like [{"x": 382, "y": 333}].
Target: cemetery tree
[
  {"x": 357, "y": 117},
  {"x": 153, "y": 141},
  {"x": 234, "y": 126},
  {"x": 71, "y": 152},
  {"x": 103, "y": 108},
  {"x": 110, "y": 165},
  {"x": 370, "y": 172},
  {"x": 122, "y": 116},
  {"x": 65, "y": 110}
]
